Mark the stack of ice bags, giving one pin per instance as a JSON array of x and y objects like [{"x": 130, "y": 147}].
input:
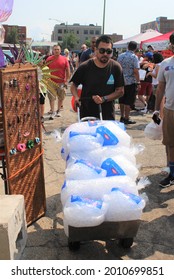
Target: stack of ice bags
[{"x": 101, "y": 174}]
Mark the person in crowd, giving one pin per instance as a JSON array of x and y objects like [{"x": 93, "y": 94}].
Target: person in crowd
[
  {"x": 67, "y": 55},
  {"x": 165, "y": 88},
  {"x": 89, "y": 53},
  {"x": 43, "y": 92},
  {"x": 157, "y": 59},
  {"x": 83, "y": 48},
  {"x": 139, "y": 55},
  {"x": 74, "y": 60},
  {"x": 129, "y": 62},
  {"x": 102, "y": 82},
  {"x": 150, "y": 49},
  {"x": 146, "y": 85},
  {"x": 42, "y": 87},
  {"x": 61, "y": 68}
]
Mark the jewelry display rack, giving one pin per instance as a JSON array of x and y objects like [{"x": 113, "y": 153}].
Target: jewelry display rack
[{"x": 23, "y": 137}]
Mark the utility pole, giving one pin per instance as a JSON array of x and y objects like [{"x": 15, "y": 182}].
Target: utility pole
[{"x": 104, "y": 8}]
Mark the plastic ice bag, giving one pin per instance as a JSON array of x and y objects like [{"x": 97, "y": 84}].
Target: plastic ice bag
[
  {"x": 83, "y": 170},
  {"x": 123, "y": 206},
  {"x": 97, "y": 188},
  {"x": 113, "y": 134},
  {"x": 84, "y": 212},
  {"x": 119, "y": 165}
]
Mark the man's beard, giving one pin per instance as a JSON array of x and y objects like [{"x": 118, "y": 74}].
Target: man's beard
[{"x": 104, "y": 59}]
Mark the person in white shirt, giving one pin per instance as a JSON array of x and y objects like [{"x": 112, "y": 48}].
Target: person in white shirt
[{"x": 165, "y": 88}]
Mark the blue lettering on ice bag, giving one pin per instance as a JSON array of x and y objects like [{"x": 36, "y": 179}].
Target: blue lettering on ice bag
[
  {"x": 112, "y": 168},
  {"x": 97, "y": 169},
  {"x": 86, "y": 201},
  {"x": 64, "y": 185},
  {"x": 108, "y": 136},
  {"x": 137, "y": 199}
]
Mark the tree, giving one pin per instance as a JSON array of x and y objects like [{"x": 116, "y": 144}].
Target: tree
[
  {"x": 69, "y": 41},
  {"x": 88, "y": 43},
  {"x": 12, "y": 36}
]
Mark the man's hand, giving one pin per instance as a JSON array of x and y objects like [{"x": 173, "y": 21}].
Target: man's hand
[
  {"x": 156, "y": 117},
  {"x": 77, "y": 102},
  {"x": 157, "y": 113},
  {"x": 97, "y": 99}
]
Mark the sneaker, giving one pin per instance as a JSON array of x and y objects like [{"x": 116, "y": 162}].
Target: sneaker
[
  {"x": 58, "y": 114},
  {"x": 122, "y": 119},
  {"x": 128, "y": 121},
  {"x": 167, "y": 182},
  {"x": 50, "y": 112},
  {"x": 145, "y": 110},
  {"x": 52, "y": 116}
]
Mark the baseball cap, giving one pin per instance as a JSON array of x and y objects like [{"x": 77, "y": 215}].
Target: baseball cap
[{"x": 149, "y": 55}]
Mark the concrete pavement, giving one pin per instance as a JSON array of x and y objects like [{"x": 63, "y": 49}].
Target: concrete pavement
[{"x": 154, "y": 240}]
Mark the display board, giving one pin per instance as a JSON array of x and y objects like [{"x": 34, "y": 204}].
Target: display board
[{"x": 23, "y": 137}]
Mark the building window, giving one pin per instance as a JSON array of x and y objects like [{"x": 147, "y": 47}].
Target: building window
[
  {"x": 59, "y": 38},
  {"x": 85, "y": 32},
  {"x": 60, "y": 31},
  {"x": 77, "y": 32},
  {"x": 91, "y": 32},
  {"x": 97, "y": 32}
]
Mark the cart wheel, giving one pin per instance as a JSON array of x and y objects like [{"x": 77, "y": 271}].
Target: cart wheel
[
  {"x": 74, "y": 246},
  {"x": 126, "y": 242}
]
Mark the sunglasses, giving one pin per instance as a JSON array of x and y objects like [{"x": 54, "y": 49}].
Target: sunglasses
[{"x": 102, "y": 51}]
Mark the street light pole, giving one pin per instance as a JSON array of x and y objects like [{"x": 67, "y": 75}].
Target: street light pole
[{"x": 104, "y": 8}]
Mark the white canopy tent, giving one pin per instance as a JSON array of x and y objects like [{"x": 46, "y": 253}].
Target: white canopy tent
[{"x": 150, "y": 33}]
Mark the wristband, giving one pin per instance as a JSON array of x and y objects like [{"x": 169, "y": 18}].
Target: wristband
[{"x": 104, "y": 99}]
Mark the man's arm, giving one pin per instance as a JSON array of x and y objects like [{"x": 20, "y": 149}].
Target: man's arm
[
  {"x": 137, "y": 77},
  {"x": 136, "y": 74},
  {"x": 119, "y": 91},
  {"x": 74, "y": 92},
  {"x": 67, "y": 71},
  {"x": 159, "y": 94}
]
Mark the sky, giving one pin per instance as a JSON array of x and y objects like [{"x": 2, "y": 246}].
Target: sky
[{"x": 123, "y": 17}]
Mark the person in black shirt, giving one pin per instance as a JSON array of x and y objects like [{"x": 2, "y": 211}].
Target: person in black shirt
[{"x": 102, "y": 82}]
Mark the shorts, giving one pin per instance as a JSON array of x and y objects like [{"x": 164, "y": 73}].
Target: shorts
[
  {"x": 168, "y": 131},
  {"x": 60, "y": 93},
  {"x": 42, "y": 98},
  {"x": 146, "y": 89},
  {"x": 129, "y": 96}
]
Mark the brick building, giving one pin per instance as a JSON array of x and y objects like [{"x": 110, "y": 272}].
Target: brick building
[
  {"x": 21, "y": 32},
  {"x": 161, "y": 24}
]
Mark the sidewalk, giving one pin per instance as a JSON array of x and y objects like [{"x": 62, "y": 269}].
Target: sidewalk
[{"x": 154, "y": 240}]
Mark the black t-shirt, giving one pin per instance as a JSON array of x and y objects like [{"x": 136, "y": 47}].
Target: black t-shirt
[{"x": 98, "y": 81}]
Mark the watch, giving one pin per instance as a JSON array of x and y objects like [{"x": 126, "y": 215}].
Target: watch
[{"x": 104, "y": 99}]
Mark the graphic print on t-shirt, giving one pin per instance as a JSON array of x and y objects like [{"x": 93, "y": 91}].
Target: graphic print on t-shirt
[{"x": 110, "y": 80}]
